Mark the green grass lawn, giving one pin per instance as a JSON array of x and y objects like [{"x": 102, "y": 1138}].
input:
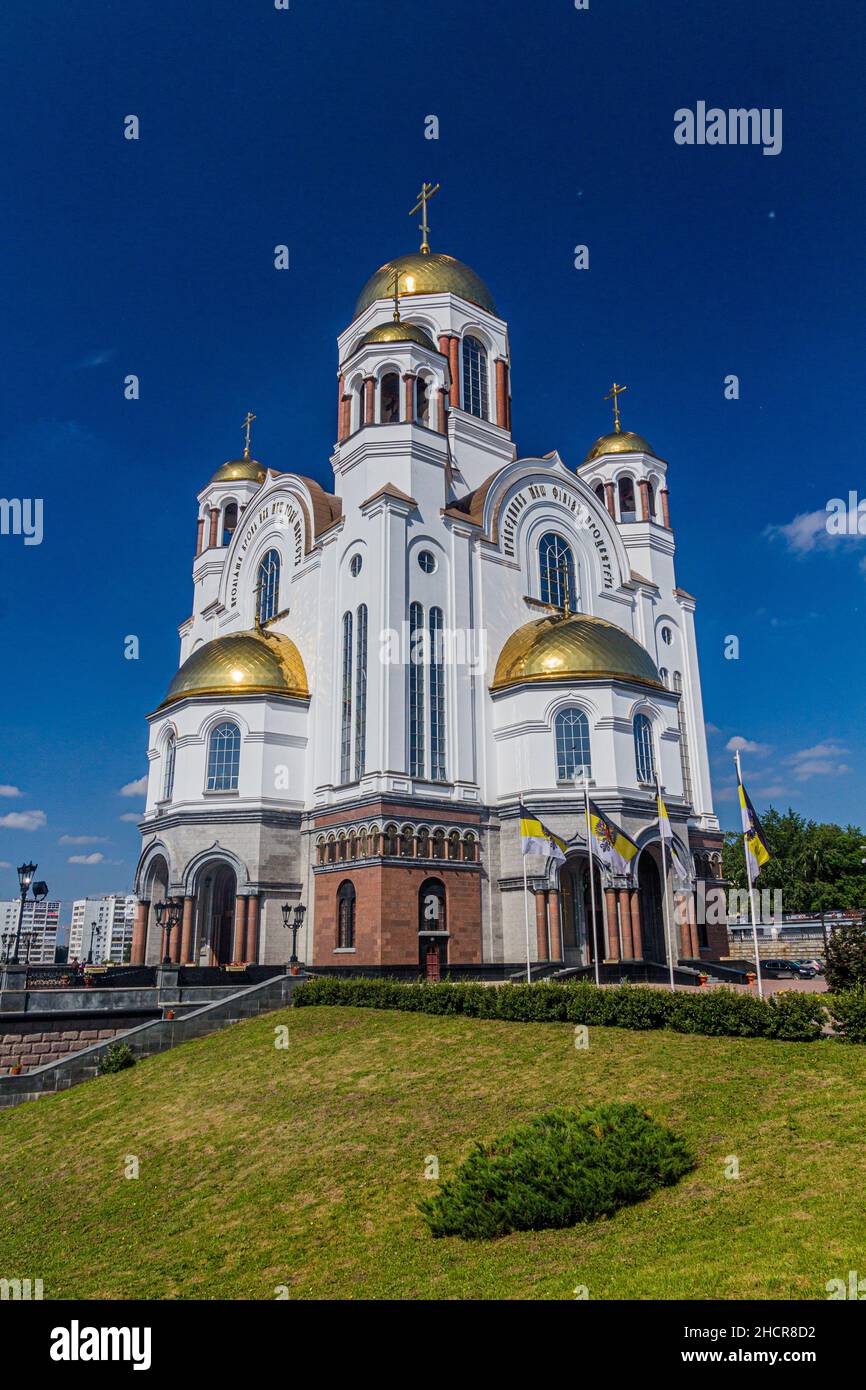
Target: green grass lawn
[{"x": 261, "y": 1167}]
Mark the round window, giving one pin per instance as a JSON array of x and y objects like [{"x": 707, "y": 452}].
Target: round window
[
  {"x": 355, "y": 566},
  {"x": 427, "y": 561}
]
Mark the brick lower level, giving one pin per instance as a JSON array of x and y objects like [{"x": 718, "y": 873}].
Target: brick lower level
[{"x": 34, "y": 1043}]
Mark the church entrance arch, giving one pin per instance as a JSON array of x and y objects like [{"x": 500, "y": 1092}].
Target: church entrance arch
[
  {"x": 216, "y": 910},
  {"x": 432, "y": 929},
  {"x": 577, "y": 933},
  {"x": 652, "y": 910}
]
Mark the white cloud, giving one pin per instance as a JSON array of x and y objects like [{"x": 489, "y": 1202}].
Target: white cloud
[
  {"x": 94, "y": 359},
  {"x": 86, "y": 858},
  {"x": 4, "y": 864},
  {"x": 24, "y": 820},
  {"x": 133, "y": 816},
  {"x": 712, "y": 728},
  {"x": 134, "y": 788},
  {"x": 82, "y": 840},
  {"x": 821, "y": 760},
  {"x": 808, "y": 532},
  {"x": 6, "y": 790},
  {"x": 738, "y": 744}
]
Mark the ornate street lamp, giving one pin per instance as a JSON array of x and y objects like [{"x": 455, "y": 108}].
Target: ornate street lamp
[
  {"x": 295, "y": 927},
  {"x": 26, "y": 874},
  {"x": 168, "y": 915}
]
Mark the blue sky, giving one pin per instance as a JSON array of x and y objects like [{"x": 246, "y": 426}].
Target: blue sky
[{"x": 306, "y": 127}]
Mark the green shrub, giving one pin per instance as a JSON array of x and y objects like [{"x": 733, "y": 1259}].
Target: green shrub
[
  {"x": 562, "y": 1168},
  {"x": 117, "y": 1057},
  {"x": 846, "y": 957},
  {"x": 797, "y": 1017},
  {"x": 848, "y": 1010}
]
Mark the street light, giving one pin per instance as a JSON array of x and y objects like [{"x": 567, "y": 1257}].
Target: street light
[
  {"x": 26, "y": 873},
  {"x": 168, "y": 914},
  {"x": 295, "y": 927}
]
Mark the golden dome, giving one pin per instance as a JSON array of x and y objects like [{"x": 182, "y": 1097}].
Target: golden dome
[
  {"x": 243, "y": 663},
  {"x": 398, "y": 333},
  {"x": 623, "y": 442},
  {"x": 430, "y": 274},
  {"x": 240, "y": 470},
  {"x": 576, "y": 648}
]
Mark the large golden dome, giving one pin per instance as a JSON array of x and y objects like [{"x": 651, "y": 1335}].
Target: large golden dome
[
  {"x": 243, "y": 663},
  {"x": 398, "y": 332},
  {"x": 245, "y": 470},
  {"x": 576, "y": 648},
  {"x": 426, "y": 274},
  {"x": 622, "y": 442}
]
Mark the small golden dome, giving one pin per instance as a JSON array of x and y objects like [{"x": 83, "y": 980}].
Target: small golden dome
[
  {"x": 240, "y": 470},
  {"x": 623, "y": 442},
  {"x": 430, "y": 274},
  {"x": 576, "y": 648},
  {"x": 398, "y": 333},
  {"x": 242, "y": 663}
]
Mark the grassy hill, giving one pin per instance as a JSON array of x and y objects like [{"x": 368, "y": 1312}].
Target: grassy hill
[{"x": 261, "y": 1167}]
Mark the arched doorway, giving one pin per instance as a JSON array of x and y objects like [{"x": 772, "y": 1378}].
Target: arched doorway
[
  {"x": 155, "y": 890},
  {"x": 651, "y": 909},
  {"x": 215, "y": 901},
  {"x": 577, "y": 933},
  {"x": 432, "y": 929}
]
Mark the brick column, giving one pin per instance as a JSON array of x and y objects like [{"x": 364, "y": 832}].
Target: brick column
[
  {"x": 139, "y": 933},
  {"x": 409, "y": 397},
  {"x": 541, "y": 924},
  {"x": 555, "y": 931},
  {"x": 441, "y": 416},
  {"x": 502, "y": 393},
  {"x": 681, "y": 916},
  {"x": 252, "y": 930},
  {"x": 693, "y": 926},
  {"x": 643, "y": 485},
  {"x": 636, "y": 934},
  {"x": 214, "y": 526},
  {"x": 199, "y": 541},
  {"x": 609, "y": 499},
  {"x": 455, "y": 371},
  {"x": 346, "y": 418},
  {"x": 239, "y": 939},
  {"x": 625, "y": 920},
  {"x": 369, "y": 400},
  {"x": 612, "y": 934},
  {"x": 666, "y": 514},
  {"x": 186, "y": 931}
]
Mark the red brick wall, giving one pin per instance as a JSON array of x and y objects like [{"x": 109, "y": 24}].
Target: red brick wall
[
  {"x": 35, "y": 1044},
  {"x": 386, "y": 913}
]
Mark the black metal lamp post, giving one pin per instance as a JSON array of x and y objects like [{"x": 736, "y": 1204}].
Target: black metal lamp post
[
  {"x": 168, "y": 915},
  {"x": 26, "y": 874},
  {"x": 295, "y": 927}
]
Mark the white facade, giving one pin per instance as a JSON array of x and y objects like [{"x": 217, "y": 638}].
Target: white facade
[
  {"x": 101, "y": 928},
  {"x": 39, "y": 925}
]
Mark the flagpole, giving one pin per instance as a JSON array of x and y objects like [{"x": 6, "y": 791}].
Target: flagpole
[
  {"x": 591, "y": 878},
  {"x": 526, "y": 917},
  {"x": 751, "y": 886},
  {"x": 665, "y": 876}
]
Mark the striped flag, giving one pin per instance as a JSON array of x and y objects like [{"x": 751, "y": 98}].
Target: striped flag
[
  {"x": 535, "y": 838},
  {"x": 754, "y": 837},
  {"x": 614, "y": 847},
  {"x": 678, "y": 864}
]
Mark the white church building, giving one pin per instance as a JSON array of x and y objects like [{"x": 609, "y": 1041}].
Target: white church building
[{"x": 374, "y": 677}]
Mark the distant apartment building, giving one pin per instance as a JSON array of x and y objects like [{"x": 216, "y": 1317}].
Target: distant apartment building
[
  {"x": 39, "y": 924},
  {"x": 101, "y": 928}
]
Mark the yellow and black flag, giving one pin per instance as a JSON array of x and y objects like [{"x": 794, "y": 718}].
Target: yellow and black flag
[
  {"x": 535, "y": 838},
  {"x": 613, "y": 846},
  {"x": 754, "y": 836}
]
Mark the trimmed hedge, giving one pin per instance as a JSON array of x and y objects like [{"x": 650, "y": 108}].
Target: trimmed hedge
[
  {"x": 560, "y": 1168},
  {"x": 793, "y": 1017}
]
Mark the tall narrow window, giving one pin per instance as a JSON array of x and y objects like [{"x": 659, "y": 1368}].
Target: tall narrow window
[
  {"x": 346, "y": 702},
  {"x": 437, "y": 697},
  {"x": 230, "y": 522},
  {"x": 684, "y": 739},
  {"x": 573, "y": 760},
  {"x": 346, "y": 916},
  {"x": 627, "y": 510},
  {"x": 224, "y": 755},
  {"x": 389, "y": 412},
  {"x": 643, "y": 749},
  {"x": 422, "y": 401},
  {"x": 556, "y": 566},
  {"x": 361, "y": 692},
  {"x": 475, "y": 378},
  {"x": 416, "y": 690},
  {"x": 169, "y": 752},
  {"x": 269, "y": 586}
]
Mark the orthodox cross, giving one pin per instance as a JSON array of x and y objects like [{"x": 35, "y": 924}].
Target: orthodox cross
[
  {"x": 258, "y": 595},
  {"x": 564, "y": 593},
  {"x": 613, "y": 394},
  {"x": 246, "y": 426},
  {"x": 427, "y": 191},
  {"x": 396, "y": 287}
]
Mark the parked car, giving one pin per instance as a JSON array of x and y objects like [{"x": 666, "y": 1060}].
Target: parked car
[
  {"x": 781, "y": 969},
  {"x": 816, "y": 964}
]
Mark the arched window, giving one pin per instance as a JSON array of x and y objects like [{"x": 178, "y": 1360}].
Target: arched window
[
  {"x": 438, "y": 844},
  {"x": 652, "y": 500},
  {"x": 599, "y": 492},
  {"x": 361, "y": 692},
  {"x": 406, "y": 842},
  {"x": 470, "y": 847},
  {"x": 416, "y": 691},
  {"x": 230, "y": 521},
  {"x": 431, "y": 906},
  {"x": 346, "y": 702},
  {"x": 437, "y": 698},
  {"x": 422, "y": 400},
  {"x": 555, "y": 561},
  {"x": 627, "y": 511},
  {"x": 269, "y": 586},
  {"x": 390, "y": 840},
  {"x": 346, "y": 916},
  {"x": 389, "y": 399},
  {"x": 644, "y": 757},
  {"x": 573, "y": 759},
  {"x": 168, "y": 753},
  {"x": 223, "y": 759},
  {"x": 359, "y": 406},
  {"x": 320, "y": 851},
  {"x": 684, "y": 739},
  {"x": 475, "y": 378},
  {"x": 423, "y": 843},
  {"x": 454, "y": 844}
]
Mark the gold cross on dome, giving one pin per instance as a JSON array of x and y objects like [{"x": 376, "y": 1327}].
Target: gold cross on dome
[
  {"x": 246, "y": 426},
  {"x": 613, "y": 394},
  {"x": 427, "y": 191},
  {"x": 395, "y": 281}
]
